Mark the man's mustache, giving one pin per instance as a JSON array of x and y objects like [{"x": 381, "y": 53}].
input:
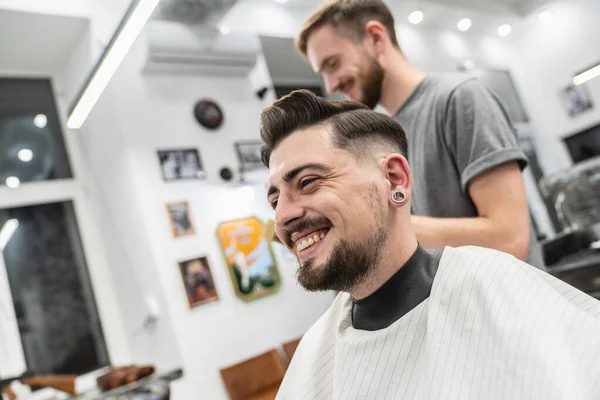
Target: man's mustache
[{"x": 304, "y": 224}]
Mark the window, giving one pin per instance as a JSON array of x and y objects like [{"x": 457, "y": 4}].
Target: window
[
  {"x": 31, "y": 143},
  {"x": 49, "y": 323},
  {"x": 50, "y": 288}
]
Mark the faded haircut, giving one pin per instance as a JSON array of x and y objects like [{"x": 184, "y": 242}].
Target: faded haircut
[
  {"x": 348, "y": 17},
  {"x": 354, "y": 126}
]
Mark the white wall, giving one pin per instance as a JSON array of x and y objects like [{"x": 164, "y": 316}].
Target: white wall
[
  {"x": 547, "y": 58},
  {"x": 123, "y": 233},
  {"x": 137, "y": 115},
  {"x": 434, "y": 50}
]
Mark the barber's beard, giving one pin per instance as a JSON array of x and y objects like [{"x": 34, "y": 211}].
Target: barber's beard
[
  {"x": 372, "y": 83},
  {"x": 349, "y": 264}
]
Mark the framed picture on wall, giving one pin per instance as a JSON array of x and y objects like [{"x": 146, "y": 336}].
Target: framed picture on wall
[
  {"x": 249, "y": 258},
  {"x": 576, "y": 99},
  {"x": 198, "y": 281},
  {"x": 248, "y": 154},
  {"x": 181, "y": 164},
  {"x": 180, "y": 218}
]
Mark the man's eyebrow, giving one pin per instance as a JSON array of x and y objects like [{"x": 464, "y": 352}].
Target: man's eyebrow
[{"x": 291, "y": 174}]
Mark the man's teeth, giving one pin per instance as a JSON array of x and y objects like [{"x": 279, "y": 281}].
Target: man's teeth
[{"x": 310, "y": 241}]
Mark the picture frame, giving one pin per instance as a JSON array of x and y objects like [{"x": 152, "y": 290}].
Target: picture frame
[
  {"x": 180, "y": 218},
  {"x": 248, "y": 155},
  {"x": 198, "y": 282},
  {"x": 249, "y": 258},
  {"x": 180, "y": 164},
  {"x": 576, "y": 99}
]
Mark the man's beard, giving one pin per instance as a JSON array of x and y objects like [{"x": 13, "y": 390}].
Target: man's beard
[
  {"x": 349, "y": 264},
  {"x": 372, "y": 83}
]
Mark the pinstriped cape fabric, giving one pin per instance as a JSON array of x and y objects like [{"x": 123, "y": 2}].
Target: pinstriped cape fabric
[{"x": 492, "y": 328}]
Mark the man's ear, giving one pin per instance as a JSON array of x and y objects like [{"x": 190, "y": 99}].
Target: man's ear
[
  {"x": 398, "y": 174},
  {"x": 377, "y": 35}
]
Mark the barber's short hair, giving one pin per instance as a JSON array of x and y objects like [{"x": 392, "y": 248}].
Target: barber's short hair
[
  {"x": 354, "y": 126},
  {"x": 348, "y": 17}
]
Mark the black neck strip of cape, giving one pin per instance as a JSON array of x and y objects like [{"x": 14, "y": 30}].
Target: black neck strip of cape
[{"x": 405, "y": 290}]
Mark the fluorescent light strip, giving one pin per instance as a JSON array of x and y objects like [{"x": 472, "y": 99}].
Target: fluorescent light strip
[
  {"x": 7, "y": 231},
  {"x": 112, "y": 58},
  {"x": 585, "y": 76}
]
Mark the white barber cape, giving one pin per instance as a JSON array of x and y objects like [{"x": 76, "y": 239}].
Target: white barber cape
[{"x": 492, "y": 328}]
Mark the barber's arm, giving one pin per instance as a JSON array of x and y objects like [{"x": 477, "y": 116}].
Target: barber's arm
[
  {"x": 478, "y": 134},
  {"x": 503, "y": 221}
]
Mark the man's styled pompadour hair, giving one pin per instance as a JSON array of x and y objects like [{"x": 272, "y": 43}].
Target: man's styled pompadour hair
[{"x": 351, "y": 123}]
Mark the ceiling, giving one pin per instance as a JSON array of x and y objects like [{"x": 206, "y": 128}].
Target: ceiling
[
  {"x": 40, "y": 43},
  {"x": 516, "y": 7},
  {"x": 269, "y": 17},
  {"x": 37, "y": 43}
]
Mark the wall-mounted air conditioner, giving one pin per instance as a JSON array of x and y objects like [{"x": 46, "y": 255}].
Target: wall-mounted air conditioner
[{"x": 177, "y": 48}]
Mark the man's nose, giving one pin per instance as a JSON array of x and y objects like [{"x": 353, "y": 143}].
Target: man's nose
[
  {"x": 288, "y": 210},
  {"x": 331, "y": 83}
]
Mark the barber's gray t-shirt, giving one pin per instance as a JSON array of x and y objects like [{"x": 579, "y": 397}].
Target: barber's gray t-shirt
[{"x": 456, "y": 130}]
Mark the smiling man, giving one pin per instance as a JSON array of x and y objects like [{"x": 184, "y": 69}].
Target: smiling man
[
  {"x": 456, "y": 323},
  {"x": 461, "y": 144}
]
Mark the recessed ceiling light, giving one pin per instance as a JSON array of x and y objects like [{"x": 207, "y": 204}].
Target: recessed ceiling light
[
  {"x": 416, "y": 17},
  {"x": 281, "y": 1},
  {"x": 40, "y": 121},
  {"x": 464, "y": 24},
  {"x": 13, "y": 182},
  {"x": 504, "y": 30},
  {"x": 546, "y": 17},
  {"x": 224, "y": 29},
  {"x": 25, "y": 155}
]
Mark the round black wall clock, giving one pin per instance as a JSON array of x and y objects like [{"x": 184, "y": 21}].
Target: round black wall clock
[{"x": 208, "y": 114}]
